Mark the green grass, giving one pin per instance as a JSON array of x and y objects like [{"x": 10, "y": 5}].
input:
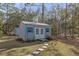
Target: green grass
[
  {"x": 19, "y": 51},
  {"x": 58, "y": 48},
  {"x": 14, "y": 48}
]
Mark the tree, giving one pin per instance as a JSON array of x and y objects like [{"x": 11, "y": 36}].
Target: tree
[
  {"x": 28, "y": 15},
  {"x": 7, "y": 8},
  {"x": 73, "y": 18},
  {"x": 53, "y": 19},
  {"x": 42, "y": 12},
  {"x": 65, "y": 22},
  {"x": 1, "y": 20}
]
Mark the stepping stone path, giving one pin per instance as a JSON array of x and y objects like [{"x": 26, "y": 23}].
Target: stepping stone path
[
  {"x": 46, "y": 44},
  {"x": 44, "y": 47},
  {"x": 40, "y": 49},
  {"x": 37, "y": 52}
]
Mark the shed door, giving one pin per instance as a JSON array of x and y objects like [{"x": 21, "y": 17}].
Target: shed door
[
  {"x": 30, "y": 33},
  {"x": 42, "y": 33},
  {"x": 39, "y": 33}
]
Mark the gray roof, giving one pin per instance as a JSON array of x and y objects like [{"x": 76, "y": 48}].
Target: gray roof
[{"x": 33, "y": 23}]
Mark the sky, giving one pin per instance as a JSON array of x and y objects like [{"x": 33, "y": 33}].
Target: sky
[{"x": 47, "y": 5}]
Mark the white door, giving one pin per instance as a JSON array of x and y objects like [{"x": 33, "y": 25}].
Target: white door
[
  {"x": 39, "y": 33},
  {"x": 36, "y": 33},
  {"x": 42, "y": 33}
]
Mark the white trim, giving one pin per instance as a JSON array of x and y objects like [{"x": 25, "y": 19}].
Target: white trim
[
  {"x": 33, "y": 23},
  {"x": 39, "y": 36}
]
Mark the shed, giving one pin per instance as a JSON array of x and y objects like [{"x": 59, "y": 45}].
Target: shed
[{"x": 33, "y": 31}]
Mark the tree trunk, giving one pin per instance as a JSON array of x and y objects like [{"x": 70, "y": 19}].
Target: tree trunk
[
  {"x": 65, "y": 23},
  {"x": 42, "y": 12}
]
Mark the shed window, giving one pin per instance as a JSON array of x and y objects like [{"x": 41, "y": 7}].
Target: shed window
[
  {"x": 30, "y": 29},
  {"x": 47, "y": 30},
  {"x": 37, "y": 31},
  {"x": 41, "y": 31}
]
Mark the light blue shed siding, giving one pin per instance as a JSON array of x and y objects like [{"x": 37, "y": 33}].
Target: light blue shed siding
[
  {"x": 22, "y": 31},
  {"x": 29, "y": 35},
  {"x": 48, "y": 34}
]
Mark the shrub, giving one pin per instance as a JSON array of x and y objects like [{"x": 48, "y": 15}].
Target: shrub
[{"x": 19, "y": 39}]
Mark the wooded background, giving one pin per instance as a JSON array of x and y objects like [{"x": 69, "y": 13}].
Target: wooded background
[{"x": 63, "y": 20}]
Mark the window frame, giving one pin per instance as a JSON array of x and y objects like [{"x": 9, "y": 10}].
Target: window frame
[
  {"x": 47, "y": 30},
  {"x": 37, "y": 31},
  {"x": 42, "y": 31},
  {"x": 30, "y": 29}
]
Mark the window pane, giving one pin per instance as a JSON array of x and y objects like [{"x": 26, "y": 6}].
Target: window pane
[
  {"x": 47, "y": 29},
  {"x": 30, "y": 29},
  {"x": 37, "y": 31},
  {"x": 41, "y": 31}
]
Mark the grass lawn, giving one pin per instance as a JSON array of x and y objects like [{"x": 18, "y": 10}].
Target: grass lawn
[
  {"x": 60, "y": 48},
  {"x": 12, "y": 47}
]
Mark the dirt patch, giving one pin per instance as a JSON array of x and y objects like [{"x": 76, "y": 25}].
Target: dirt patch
[{"x": 13, "y": 47}]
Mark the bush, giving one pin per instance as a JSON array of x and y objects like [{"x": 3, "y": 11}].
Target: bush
[
  {"x": 49, "y": 38},
  {"x": 19, "y": 39}
]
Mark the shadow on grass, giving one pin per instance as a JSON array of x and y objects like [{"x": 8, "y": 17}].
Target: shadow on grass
[
  {"x": 16, "y": 44},
  {"x": 76, "y": 45},
  {"x": 75, "y": 52},
  {"x": 50, "y": 51},
  {"x": 57, "y": 53},
  {"x": 69, "y": 42}
]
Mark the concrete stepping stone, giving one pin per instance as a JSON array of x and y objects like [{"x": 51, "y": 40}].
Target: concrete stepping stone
[
  {"x": 46, "y": 44},
  {"x": 35, "y": 53},
  {"x": 40, "y": 49},
  {"x": 44, "y": 47}
]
